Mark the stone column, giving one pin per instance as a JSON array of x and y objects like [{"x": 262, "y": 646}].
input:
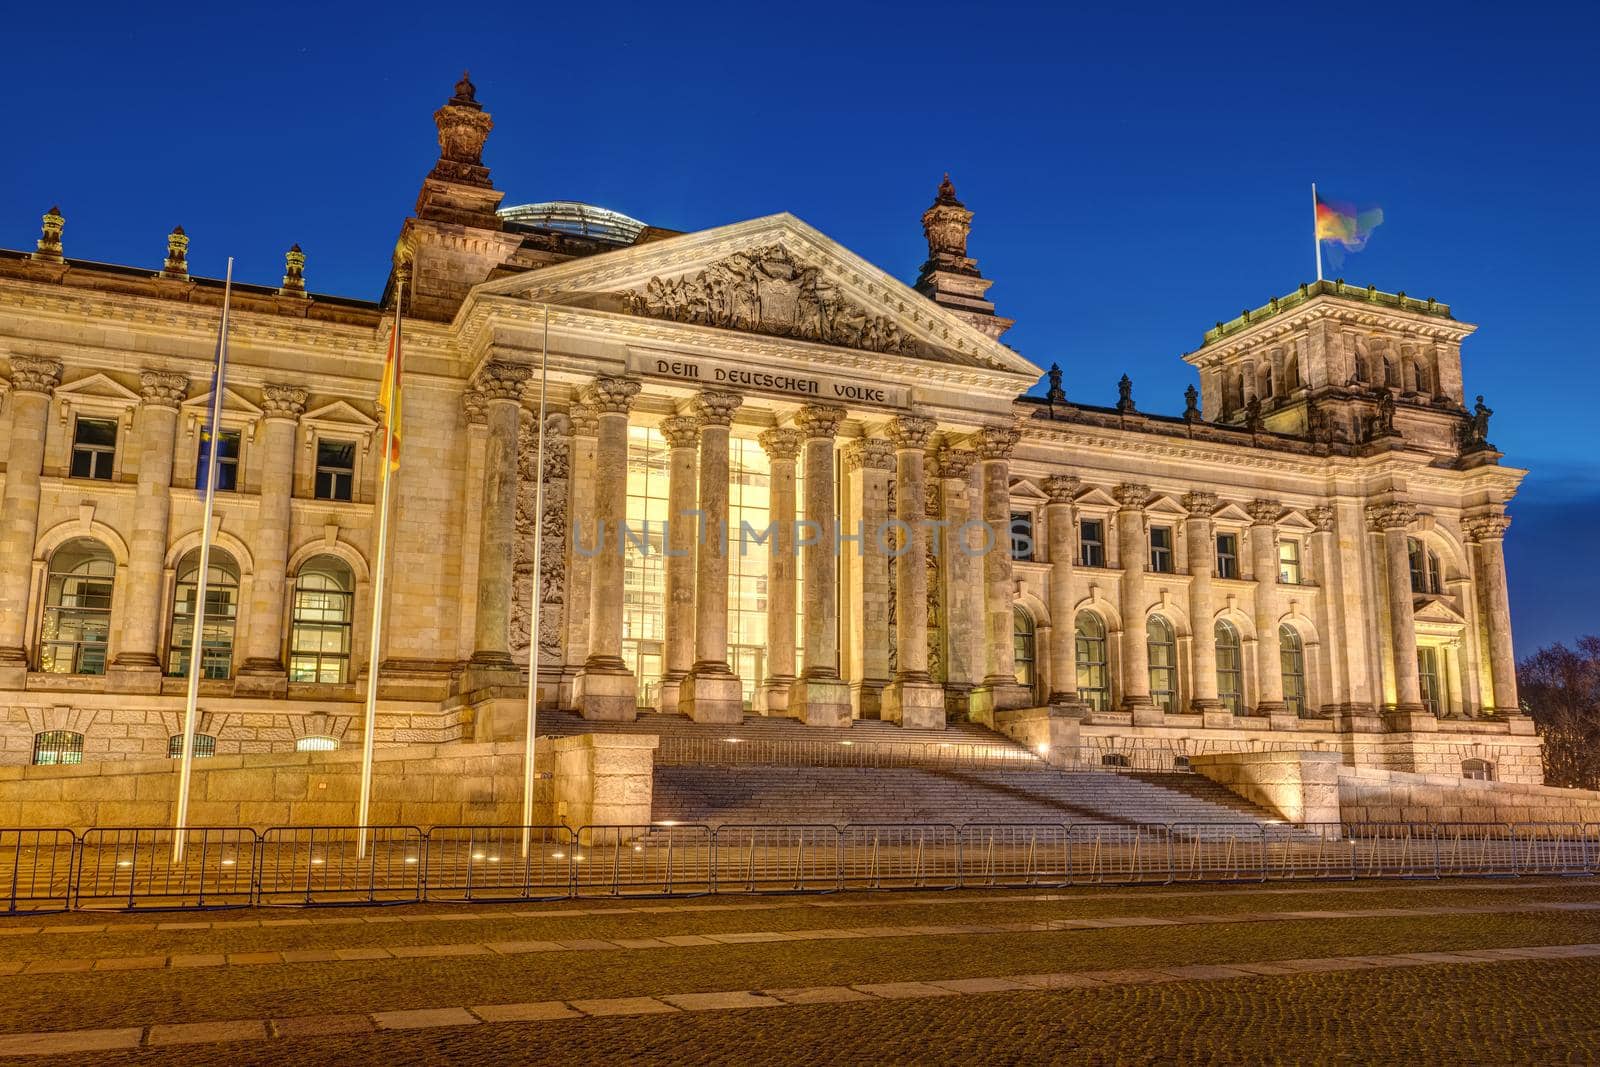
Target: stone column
[
  {"x": 605, "y": 688},
  {"x": 1332, "y": 675},
  {"x": 1133, "y": 548},
  {"x": 1487, "y": 535},
  {"x": 32, "y": 383},
  {"x": 501, "y": 387},
  {"x": 962, "y": 570},
  {"x": 1264, "y": 515},
  {"x": 864, "y": 573},
  {"x": 683, "y": 441},
  {"x": 262, "y": 672},
  {"x": 580, "y": 502},
  {"x": 713, "y": 692},
  {"x": 1061, "y": 532},
  {"x": 782, "y": 446},
  {"x": 913, "y": 700},
  {"x": 1202, "y": 534},
  {"x": 137, "y": 666},
  {"x": 1393, "y": 520},
  {"x": 819, "y": 697},
  {"x": 1000, "y": 690}
]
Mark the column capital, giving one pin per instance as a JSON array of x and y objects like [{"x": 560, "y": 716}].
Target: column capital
[
  {"x": 714, "y": 407},
  {"x": 1132, "y": 496},
  {"x": 610, "y": 396},
  {"x": 869, "y": 453},
  {"x": 501, "y": 380},
  {"x": 995, "y": 442},
  {"x": 1322, "y": 518},
  {"x": 1062, "y": 488},
  {"x": 283, "y": 401},
  {"x": 956, "y": 463},
  {"x": 1486, "y": 528},
  {"x": 681, "y": 431},
  {"x": 910, "y": 431},
  {"x": 476, "y": 407},
  {"x": 1396, "y": 515},
  {"x": 32, "y": 375},
  {"x": 1201, "y": 504},
  {"x": 818, "y": 420},
  {"x": 781, "y": 443},
  {"x": 162, "y": 389},
  {"x": 585, "y": 423},
  {"x": 1265, "y": 512}
]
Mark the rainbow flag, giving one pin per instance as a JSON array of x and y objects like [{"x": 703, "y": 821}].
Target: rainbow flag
[
  {"x": 1344, "y": 225},
  {"x": 389, "y": 395}
]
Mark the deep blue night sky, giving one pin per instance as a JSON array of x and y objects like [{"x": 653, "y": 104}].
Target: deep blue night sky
[{"x": 1137, "y": 173}]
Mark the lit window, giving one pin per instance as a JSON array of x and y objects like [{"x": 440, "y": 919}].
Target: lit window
[
  {"x": 1094, "y": 680},
  {"x": 222, "y": 606},
  {"x": 316, "y": 744},
  {"x": 1092, "y": 543},
  {"x": 57, "y": 747},
  {"x": 1428, "y": 678},
  {"x": 94, "y": 448},
  {"x": 1163, "y": 649},
  {"x": 1477, "y": 770},
  {"x": 749, "y": 561},
  {"x": 336, "y": 470},
  {"x": 1289, "y": 561},
  {"x": 77, "y": 614},
  {"x": 205, "y": 746},
  {"x": 1227, "y": 555},
  {"x": 1022, "y": 639},
  {"x": 1230, "y": 668},
  {"x": 1161, "y": 549},
  {"x": 319, "y": 632},
  {"x": 1022, "y": 535},
  {"x": 644, "y": 574},
  {"x": 227, "y": 463},
  {"x": 1293, "y": 661}
]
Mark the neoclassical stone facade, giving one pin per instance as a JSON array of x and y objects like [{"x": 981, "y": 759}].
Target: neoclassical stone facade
[{"x": 1310, "y": 556}]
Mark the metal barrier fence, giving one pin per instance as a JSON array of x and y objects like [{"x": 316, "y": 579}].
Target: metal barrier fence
[
  {"x": 49, "y": 869},
  {"x": 789, "y": 752}
]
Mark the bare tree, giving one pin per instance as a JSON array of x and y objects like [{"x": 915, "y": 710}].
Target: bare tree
[{"x": 1560, "y": 688}]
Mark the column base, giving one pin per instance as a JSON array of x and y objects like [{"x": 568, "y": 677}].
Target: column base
[
  {"x": 261, "y": 678},
  {"x": 133, "y": 678},
  {"x": 1142, "y": 711},
  {"x": 1409, "y": 718},
  {"x": 820, "y": 702},
  {"x": 991, "y": 697},
  {"x": 772, "y": 698},
  {"x": 712, "y": 695},
  {"x": 671, "y": 693},
  {"x": 915, "y": 705},
  {"x": 1357, "y": 719},
  {"x": 605, "y": 694}
]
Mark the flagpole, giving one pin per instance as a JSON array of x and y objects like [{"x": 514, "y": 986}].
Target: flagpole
[
  {"x": 374, "y": 651},
  {"x": 180, "y": 821},
  {"x": 531, "y": 745},
  {"x": 1316, "y": 240}
]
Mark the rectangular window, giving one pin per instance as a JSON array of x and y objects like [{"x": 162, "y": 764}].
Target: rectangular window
[
  {"x": 1227, "y": 555},
  {"x": 1022, "y": 535},
  {"x": 1161, "y": 549},
  {"x": 336, "y": 470},
  {"x": 227, "y": 443},
  {"x": 1289, "y": 561},
  {"x": 94, "y": 448},
  {"x": 1092, "y": 543},
  {"x": 1428, "y": 676}
]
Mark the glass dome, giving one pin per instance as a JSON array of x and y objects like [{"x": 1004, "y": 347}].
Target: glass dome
[{"x": 580, "y": 220}]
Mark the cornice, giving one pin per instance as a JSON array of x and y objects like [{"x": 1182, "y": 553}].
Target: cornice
[{"x": 1325, "y": 308}]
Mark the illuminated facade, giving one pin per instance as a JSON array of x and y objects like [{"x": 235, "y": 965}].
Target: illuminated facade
[{"x": 1310, "y": 556}]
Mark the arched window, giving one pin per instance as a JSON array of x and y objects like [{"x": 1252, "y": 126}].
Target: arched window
[
  {"x": 1022, "y": 640},
  {"x": 205, "y": 746},
  {"x": 1094, "y": 684},
  {"x": 222, "y": 607},
  {"x": 1163, "y": 647},
  {"x": 54, "y": 747},
  {"x": 1478, "y": 770},
  {"x": 324, "y": 608},
  {"x": 316, "y": 744},
  {"x": 77, "y": 609},
  {"x": 1293, "y": 659},
  {"x": 1230, "y": 668}
]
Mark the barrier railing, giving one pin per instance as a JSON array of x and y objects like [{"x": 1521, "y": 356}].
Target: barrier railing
[
  {"x": 44, "y": 869},
  {"x": 768, "y": 752}
]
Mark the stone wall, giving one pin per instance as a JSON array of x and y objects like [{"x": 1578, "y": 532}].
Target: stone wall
[
  {"x": 1368, "y": 795},
  {"x": 1300, "y": 787},
  {"x": 604, "y": 779}
]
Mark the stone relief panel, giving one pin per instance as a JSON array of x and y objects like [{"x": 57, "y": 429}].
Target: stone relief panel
[
  {"x": 768, "y": 291},
  {"x": 554, "y": 553}
]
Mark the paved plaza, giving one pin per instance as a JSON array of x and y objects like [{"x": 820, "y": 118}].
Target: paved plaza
[{"x": 1375, "y": 972}]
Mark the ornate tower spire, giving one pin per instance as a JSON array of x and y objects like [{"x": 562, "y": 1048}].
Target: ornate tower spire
[
  {"x": 177, "y": 264},
  {"x": 49, "y": 247},
  {"x": 463, "y": 128},
  {"x": 294, "y": 273},
  {"x": 950, "y": 278}
]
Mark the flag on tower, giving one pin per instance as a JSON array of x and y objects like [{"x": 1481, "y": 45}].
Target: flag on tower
[{"x": 1345, "y": 225}]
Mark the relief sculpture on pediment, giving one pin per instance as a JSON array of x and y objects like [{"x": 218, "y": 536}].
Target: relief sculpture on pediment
[{"x": 768, "y": 291}]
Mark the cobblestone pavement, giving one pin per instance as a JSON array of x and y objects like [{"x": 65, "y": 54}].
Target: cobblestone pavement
[{"x": 1488, "y": 972}]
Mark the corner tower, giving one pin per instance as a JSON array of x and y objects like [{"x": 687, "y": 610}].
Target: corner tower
[{"x": 950, "y": 278}]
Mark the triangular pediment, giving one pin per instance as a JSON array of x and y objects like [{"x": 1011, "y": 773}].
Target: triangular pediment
[
  {"x": 340, "y": 413},
  {"x": 773, "y": 277},
  {"x": 1435, "y": 611},
  {"x": 1096, "y": 498},
  {"x": 1232, "y": 513},
  {"x": 97, "y": 386},
  {"x": 1165, "y": 506},
  {"x": 232, "y": 404}
]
